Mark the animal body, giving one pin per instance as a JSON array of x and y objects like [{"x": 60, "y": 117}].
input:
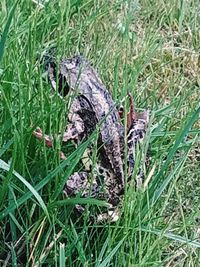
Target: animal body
[{"x": 92, "y": 107}]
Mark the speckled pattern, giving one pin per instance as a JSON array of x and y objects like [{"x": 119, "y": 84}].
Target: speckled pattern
[{"x": 93, "y": 106}]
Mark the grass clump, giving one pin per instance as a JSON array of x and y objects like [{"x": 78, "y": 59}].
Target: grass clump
[{"x": 149, "y": 49}]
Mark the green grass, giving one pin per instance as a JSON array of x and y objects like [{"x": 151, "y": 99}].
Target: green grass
[{"x": 150, "y": 48}]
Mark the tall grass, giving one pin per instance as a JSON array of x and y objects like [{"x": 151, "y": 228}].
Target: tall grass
[{"x": 148, "y": 48}]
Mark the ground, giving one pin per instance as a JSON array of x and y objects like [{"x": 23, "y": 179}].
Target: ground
[{"x": 149, "y": 48}]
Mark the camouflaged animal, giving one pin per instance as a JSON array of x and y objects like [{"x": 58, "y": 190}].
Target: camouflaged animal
[{"x": 92, "y": 107}]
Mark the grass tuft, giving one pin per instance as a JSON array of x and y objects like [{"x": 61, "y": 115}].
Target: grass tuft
[{"x": 148, "y": 48}]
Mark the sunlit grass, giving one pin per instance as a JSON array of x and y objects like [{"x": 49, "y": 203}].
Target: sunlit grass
[{"x": 150, "y": 49}]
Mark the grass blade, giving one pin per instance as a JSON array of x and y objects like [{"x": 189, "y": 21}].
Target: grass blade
[
  {"x": 78, "y": 200},
  {"x": 6, "y": 167},
  {"x": 6, "y": 146},
  {"x": 62, "y": 255},
  {"x": 172, "y": 236},
  {"x": 6, "y": 30},
  {"x": 79, "y": 245},
  {"x": 176, "y": 145},
  {"x": 165, "y": 183},
  {"x": 72, "y": 158},
  {"x": 103, "y": 250},
  {"x": 111, "y": 254}
]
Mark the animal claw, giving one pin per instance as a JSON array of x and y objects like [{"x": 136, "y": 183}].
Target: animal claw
[{"x": 48, "y": 140}]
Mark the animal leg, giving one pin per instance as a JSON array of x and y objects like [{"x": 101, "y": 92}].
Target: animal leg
[
  {"x": 78, "y": 184},
  {"x": 73, "y": 131},
  {"x": 47, "y": 139}
]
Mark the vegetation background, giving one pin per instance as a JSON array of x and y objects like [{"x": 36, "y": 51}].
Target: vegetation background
[{"x": 150, "y": 48}]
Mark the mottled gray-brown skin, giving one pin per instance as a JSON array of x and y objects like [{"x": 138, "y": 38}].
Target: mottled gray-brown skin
[{"x": 92, "y": 107}]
